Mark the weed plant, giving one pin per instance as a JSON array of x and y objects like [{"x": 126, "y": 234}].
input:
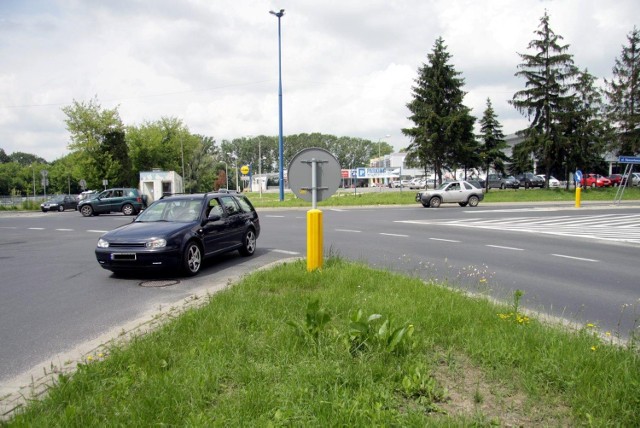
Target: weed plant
[{"x": 290, "y": 348}]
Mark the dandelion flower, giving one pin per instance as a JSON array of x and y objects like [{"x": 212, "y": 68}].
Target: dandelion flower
[{"x": 593, "y": 348}]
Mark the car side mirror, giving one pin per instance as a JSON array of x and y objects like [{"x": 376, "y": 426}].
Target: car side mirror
[{"x": 214, "y": 217}]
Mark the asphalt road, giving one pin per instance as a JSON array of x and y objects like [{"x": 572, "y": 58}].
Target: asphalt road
[{"x": 579, "y": 264}]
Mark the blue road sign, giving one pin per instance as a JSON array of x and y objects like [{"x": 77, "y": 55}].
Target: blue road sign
[
  {"x": 578, "y": 176},
  {"x": 629, "y": 159}
]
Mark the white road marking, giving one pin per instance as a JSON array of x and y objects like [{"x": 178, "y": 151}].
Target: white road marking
[
  {"x": 443, "y": 240},
  {"x": 348, "y": 230},
  {"x": 274, "y": 216},
  {"x": 505, "y": 248},
  {"x": 394, "y": 234},
  {"x": 97, "y": 231},
  {"x": 35, "y": 228},
  {"x": 606, "y": 227},
  {"x": 575, "y": 258},
  {"x": 293, "y": 253}
]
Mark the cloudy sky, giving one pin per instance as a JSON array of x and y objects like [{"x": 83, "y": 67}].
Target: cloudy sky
[{"x": 348, "y": 65}]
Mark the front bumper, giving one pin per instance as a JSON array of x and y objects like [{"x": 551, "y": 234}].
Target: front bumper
[{"x": 138, "y": 259}]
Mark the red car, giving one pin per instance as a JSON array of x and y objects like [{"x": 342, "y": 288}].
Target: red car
[
  {"x": 595, "y": 180},
  {"x": 616, "y": 179}
]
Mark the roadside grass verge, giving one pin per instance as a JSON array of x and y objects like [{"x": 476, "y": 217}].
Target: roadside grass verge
[
  {"x": 407, "y": 197},
  {"x": 384, "y": 196},
  {"x": 349, "y": 346}
]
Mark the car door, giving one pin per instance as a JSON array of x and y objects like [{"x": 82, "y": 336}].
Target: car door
[
  {"x": 235, "y": 218},
  {"x": 216, "y": 229},
  {"x": 452, "y": 193}
]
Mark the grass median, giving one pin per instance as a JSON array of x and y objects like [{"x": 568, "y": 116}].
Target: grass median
[
  {"x": 385, "y": 196},
  {"x": 350, "y": 346}
]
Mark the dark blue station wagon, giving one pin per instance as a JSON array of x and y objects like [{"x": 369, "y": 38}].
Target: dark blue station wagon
[{"x": 178, "y": 232}]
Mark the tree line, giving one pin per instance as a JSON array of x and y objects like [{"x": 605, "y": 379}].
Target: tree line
[
  {"x": 572, "y": 124},
  {"x": 102, "y": 148}
]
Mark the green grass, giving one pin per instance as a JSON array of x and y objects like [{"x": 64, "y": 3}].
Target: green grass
[
  {"x": 406, "y": 197},
  {"x": 285, "y": 347}
]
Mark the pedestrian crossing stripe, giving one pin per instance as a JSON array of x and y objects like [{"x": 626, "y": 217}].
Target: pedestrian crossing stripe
[{"x": 606, "y": 227}]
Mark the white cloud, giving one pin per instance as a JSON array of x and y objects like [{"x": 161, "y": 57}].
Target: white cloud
[{"x": 348, "y": 67}]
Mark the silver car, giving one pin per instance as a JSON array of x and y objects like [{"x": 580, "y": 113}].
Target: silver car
[{"x": 460, "y": 192}]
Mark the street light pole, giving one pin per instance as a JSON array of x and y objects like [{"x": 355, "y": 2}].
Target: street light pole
[
  {"x": 280, "y": 143},
  {"x": 379, "y": 142}
]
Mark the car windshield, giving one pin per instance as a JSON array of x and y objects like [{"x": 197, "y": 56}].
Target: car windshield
[{"x": 175, "y": 210}]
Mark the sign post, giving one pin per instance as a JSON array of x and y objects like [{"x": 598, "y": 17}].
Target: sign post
[
  {"x": 578, "y": 178},
  {"x": 314, "y": 175}
]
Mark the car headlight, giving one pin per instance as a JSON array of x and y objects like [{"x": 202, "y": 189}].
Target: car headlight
[
  {"x": 157, "y": 243},
  {"x": 102, "y": 243}
]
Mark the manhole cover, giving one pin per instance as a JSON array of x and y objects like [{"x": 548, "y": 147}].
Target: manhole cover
[{"x": 159, "y": 283}]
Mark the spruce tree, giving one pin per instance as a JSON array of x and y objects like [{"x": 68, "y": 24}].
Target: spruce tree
[
  {"x": 443, "y": 125},
  {"x": 586, "y": 131},
  {"x": 549, "y": 72},
  {"x": 493, "y": 142},
  {"x": 623, "y": 93}
]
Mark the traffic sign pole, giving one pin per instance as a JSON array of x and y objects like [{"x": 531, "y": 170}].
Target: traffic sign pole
[{"x": 578, "y": 178}]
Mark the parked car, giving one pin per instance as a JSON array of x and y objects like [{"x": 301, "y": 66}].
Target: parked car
[
  {"x": 616, "y": 179},
  {"x": 529, "y": 179},
  {"x": 553, "y": 182},
  {"x": 60, "y": 203},
  {"x": 126, "y": 200},
  {"x": 595, "y": 180},
  {"x": 459, "y": 191},
  {"x": 498, "y": 181},
  {"x": 635, "y": 179},
  {"x": 180, "y": 231}
]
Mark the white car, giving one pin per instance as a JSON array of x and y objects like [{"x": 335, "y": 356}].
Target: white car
[
  {"x": 458, "y": 191},
  {"x": 553, "y": 182}
]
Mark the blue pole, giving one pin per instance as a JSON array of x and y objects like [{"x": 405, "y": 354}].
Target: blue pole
[{"x": 280, "y": 142}]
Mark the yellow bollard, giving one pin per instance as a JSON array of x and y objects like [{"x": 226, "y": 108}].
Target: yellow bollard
[
  {"x": 578, "y": 190},
  {"x": 314, "y": 240}
]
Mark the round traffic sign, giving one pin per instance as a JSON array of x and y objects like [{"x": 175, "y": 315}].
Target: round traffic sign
[
  {"x": 328, "y": 174},
  {"x": 244, "y": 169},
  {"x": 578, "y": 175}
]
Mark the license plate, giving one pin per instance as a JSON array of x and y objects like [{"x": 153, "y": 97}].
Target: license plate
[{"x": 123, "y": 256}]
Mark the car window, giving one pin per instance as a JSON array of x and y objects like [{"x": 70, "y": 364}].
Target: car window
[
  {"x": 468, "y": 186},
  {"x": 230, "y": 205},
  {"x": 215, "y": 208},
  {"x": 454, "y": 186},
  {"x": 245, "y": 205}
]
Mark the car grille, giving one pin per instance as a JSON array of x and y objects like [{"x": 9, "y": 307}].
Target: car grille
[{"x": 127, "y": 245}]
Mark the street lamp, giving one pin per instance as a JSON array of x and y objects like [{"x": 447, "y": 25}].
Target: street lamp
[
  {"x": 236, "y": 159},
  {"x": 379, "y": 142},
  {"x": 280, "y": 144},
  {"x": 226, "y": 173}
]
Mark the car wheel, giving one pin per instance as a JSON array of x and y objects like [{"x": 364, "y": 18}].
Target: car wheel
[
  {"x": 502, "y": 186},
  {"x": 86, "y": 210},
  {"x": 424, "y": 204},
  {"x": 60, "y": 208},
  {"x": 462, "y": 204},
  {"x": 435, "y": 202},
  {"x": 127, "y": 209},
  {"x": 192, "y": 259},
  {"x": 43, "y": 210},
  {"x": 248, "y": 243},
  {"x": 473, "y": 201}
]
